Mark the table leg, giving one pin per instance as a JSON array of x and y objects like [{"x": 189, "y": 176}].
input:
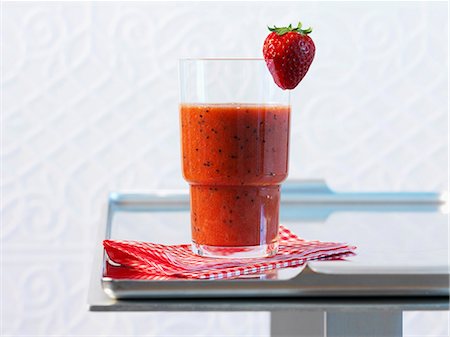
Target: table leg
[
  {"x": 297, "y": 323},
  {"x": 336, "y": 324},
  {"x": 364, "y": 324}
]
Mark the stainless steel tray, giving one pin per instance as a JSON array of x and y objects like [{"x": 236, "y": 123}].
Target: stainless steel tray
[{"x": 401, "y": 238}]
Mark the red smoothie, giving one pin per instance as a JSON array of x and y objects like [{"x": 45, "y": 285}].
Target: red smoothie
[{"x": 235, "y": 157}]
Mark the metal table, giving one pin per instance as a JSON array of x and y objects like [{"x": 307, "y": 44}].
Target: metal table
[{"x": 401, "y": 262}]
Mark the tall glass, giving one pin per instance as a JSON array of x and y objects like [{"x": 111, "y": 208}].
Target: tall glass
[{"x": 235, "y": 145}]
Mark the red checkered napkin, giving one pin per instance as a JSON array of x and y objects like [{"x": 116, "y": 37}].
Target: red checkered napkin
[{"x": 150, "y": 261}]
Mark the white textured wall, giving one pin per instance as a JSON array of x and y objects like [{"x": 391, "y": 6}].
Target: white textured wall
[{"x": 90, "y": 97}]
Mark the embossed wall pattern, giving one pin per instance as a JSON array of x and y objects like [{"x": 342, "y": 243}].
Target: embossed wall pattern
[{"x": 90, "y": 105}]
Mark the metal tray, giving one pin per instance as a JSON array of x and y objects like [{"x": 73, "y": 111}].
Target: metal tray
[{"x": 401, "y": 239}]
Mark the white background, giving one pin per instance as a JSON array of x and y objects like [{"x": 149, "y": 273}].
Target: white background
[{"x": 90, "y": 99}]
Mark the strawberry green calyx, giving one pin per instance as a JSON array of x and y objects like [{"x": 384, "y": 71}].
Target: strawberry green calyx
[{"x": 283, "y": 30}]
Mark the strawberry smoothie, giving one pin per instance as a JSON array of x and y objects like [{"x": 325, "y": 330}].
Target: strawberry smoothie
[{"x": 235, "y": 157}]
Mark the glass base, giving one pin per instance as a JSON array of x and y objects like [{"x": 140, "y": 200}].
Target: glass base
[{"x": 242, "y": 252}]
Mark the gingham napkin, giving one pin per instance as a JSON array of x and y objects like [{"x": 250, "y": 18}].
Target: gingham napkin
[{"x": 151, "y": 261}]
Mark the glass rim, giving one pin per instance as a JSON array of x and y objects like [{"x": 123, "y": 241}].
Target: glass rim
[{"x": 183, "y": 59}]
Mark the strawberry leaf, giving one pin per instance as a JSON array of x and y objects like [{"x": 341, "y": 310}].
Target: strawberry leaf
[{"x": 283, "y": 30}]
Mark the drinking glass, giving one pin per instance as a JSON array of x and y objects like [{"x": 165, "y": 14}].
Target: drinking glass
[{"x": 235, "y": 145}]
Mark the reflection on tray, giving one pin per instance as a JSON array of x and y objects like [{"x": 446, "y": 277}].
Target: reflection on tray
[{"x": 123, "y": 273}]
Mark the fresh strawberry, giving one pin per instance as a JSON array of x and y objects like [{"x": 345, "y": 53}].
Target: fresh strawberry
[{"x": 288, "y": 53}]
